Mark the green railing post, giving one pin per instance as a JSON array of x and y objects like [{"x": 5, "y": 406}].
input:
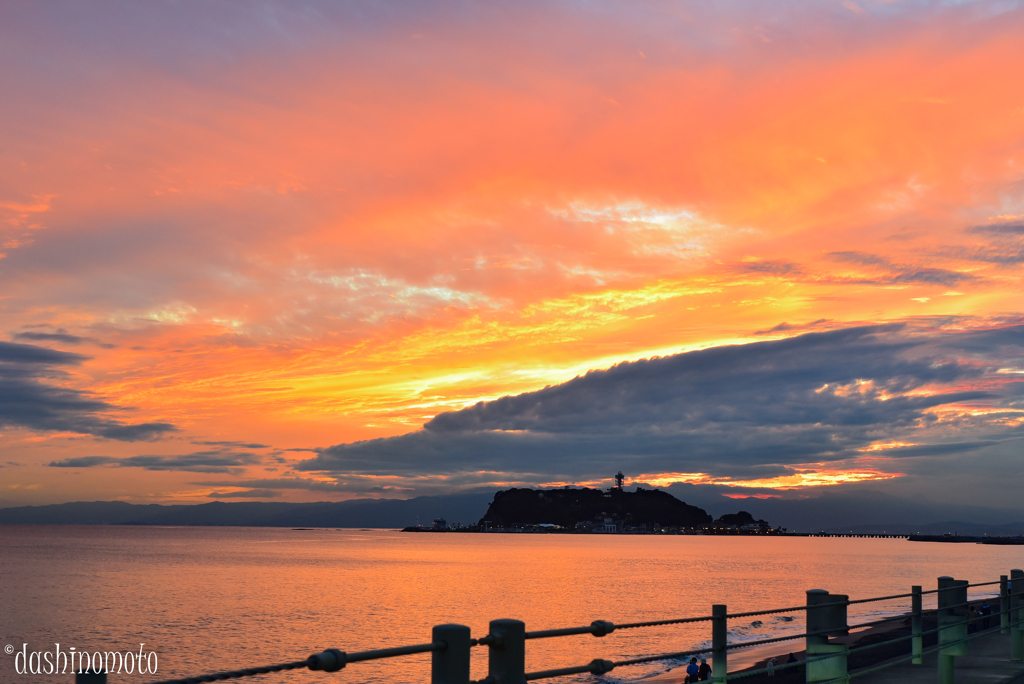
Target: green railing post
[
  {"x": 832, "y": 621},
  {"x": 507, "y": 652},
  {"x": 952, "y": 625},
  {"x": 1016, "y": 590},
  {"x": 916, "y": 641},
  {"x": 1004, "y": 606},
  {"x": 451, "y": 665},
  {"x": 719, "y": 643}
]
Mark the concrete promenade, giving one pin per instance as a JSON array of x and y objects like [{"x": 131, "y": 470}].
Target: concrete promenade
[{"x": 987, "y": 662}]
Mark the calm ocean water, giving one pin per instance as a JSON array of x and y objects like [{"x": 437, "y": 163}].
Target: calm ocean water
[{"x": 209, "y": 599}]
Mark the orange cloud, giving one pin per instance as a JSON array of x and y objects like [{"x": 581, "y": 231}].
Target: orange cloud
[{"x": 813, "y": 475}]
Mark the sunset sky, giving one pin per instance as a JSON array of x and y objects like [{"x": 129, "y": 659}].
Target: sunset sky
[{"x": 301, "y": 251}]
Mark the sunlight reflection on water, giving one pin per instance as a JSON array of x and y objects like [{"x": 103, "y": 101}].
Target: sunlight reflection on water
[{"x": 209, "y": 599}]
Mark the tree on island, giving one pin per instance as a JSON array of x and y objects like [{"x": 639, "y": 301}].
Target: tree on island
[
  {"x": 741, "y": 519},
  {"x": 566, "y": 507}
]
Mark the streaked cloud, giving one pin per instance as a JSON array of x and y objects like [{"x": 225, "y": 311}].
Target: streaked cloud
[
  {"x": 196, "y": 462},
  {"x": 58, "y": 338},
  {"x": 31, "y": 397},
  {"x": 239, "y": 445},
  {"x": 246, "y": 494}
]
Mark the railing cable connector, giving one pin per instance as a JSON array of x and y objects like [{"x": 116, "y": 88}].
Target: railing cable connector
[{"x": 330, "y": 660}]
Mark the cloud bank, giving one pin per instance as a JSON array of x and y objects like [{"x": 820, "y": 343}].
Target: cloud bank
[{"x": 744, "y": 412}]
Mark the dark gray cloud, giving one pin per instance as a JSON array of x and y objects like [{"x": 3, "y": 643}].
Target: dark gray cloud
[
  {"x": 900, "y": 274},
  {"x": 237, "y": 445},
  {"x": 65, "y": 338},
  {"x": 739, "y": 411},
  {"x": 1016, "y": 228},
  {"x": 779, "y": 268},
  {"x": 83, "y": 462},
  {"x": 197, "y": 462},
  {"x": 862, "y": 258},
  {"x": 930, "y": 276},
  {"x": 33, "y": 355},
  {"x": 888, "y": 273},
  {"x": 1004, "y": 245},
  {"x": 30, "y": 399},
  {"x": 62, "y": 337}
]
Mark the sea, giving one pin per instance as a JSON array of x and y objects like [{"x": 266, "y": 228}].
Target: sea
[{"x": 208, "y": 599}]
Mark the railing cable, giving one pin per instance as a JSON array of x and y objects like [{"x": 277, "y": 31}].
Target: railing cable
[
  {"x": 330, "y": 660},
  {"x": 236, "y": 674}
]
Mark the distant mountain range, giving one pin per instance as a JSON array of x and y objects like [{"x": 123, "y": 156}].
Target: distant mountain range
[
  {"x": 371, "y": 513},
  {"x": 859, "y": 511}
]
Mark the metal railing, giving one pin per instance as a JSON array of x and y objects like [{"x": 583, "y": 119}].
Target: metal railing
[{"x": 826, "y": 661}]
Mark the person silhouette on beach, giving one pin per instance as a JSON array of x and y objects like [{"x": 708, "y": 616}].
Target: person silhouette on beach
[
  {"x": 704, "y": 671},
  {"x": 692, "y": 671}
]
